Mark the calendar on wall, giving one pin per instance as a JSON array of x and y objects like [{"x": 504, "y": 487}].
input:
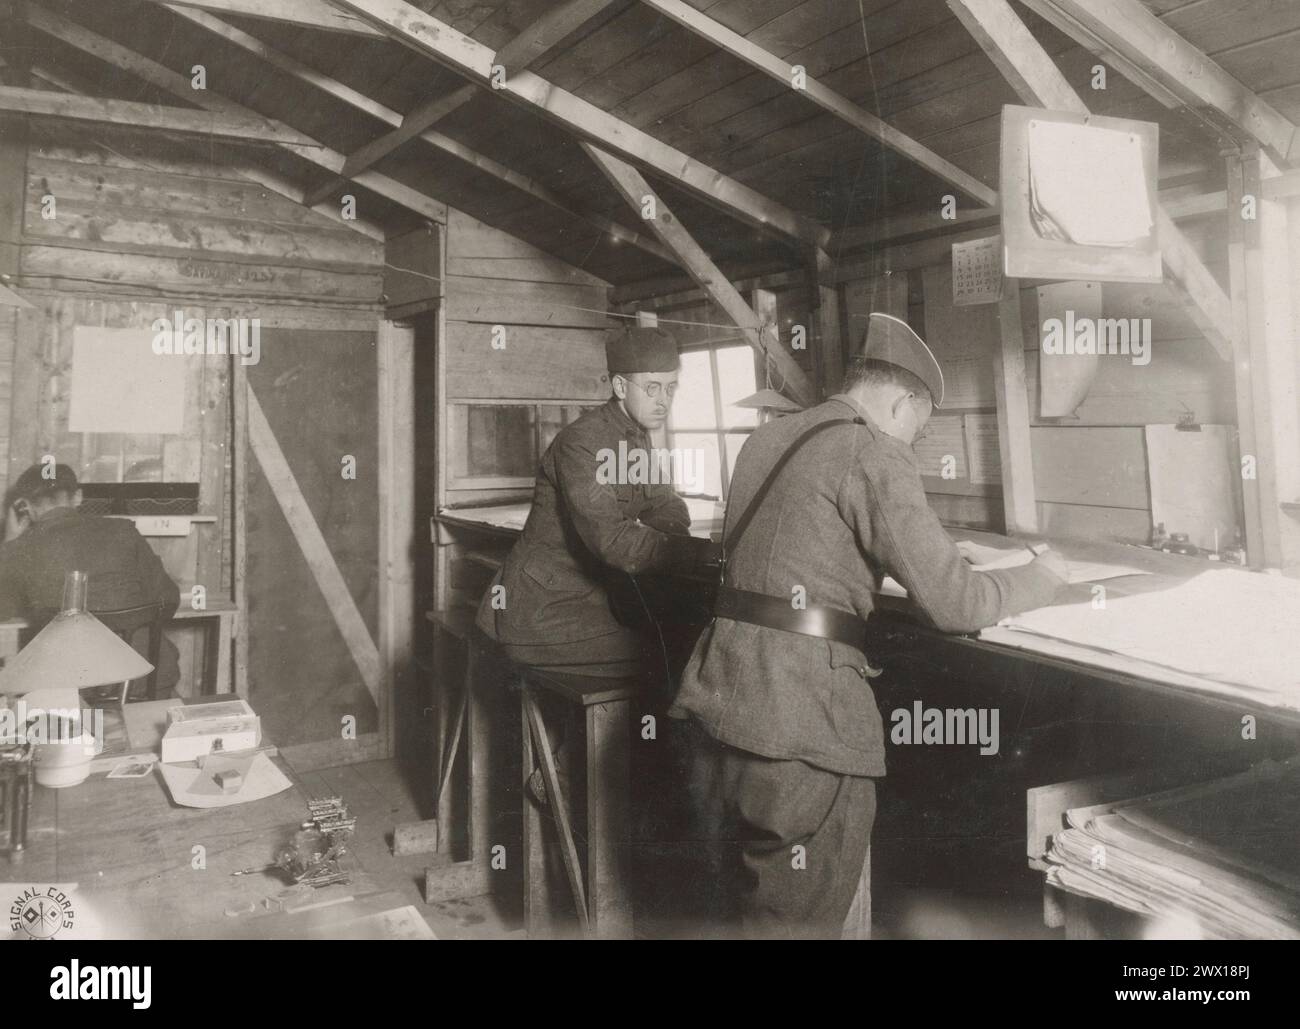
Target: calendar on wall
[{"x": 977, "y": 271}]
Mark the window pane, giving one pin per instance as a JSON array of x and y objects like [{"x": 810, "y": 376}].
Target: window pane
[
  {"x": 493, "y": 440},
  {"x": 697, "y": 456},
  {"x": 693, "y": 408},
  {"x": 736, "y": 377}
]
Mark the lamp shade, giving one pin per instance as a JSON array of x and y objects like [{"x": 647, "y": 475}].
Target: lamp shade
[
  {"x": 769, "y": 399},
  {"x": 73, "y": 651}
]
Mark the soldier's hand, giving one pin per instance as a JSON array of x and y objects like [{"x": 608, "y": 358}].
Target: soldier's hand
[{"x": 1055, "y": 564}]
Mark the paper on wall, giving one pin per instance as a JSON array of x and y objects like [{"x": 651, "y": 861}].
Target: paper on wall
[{"x": 120, "y": 385}]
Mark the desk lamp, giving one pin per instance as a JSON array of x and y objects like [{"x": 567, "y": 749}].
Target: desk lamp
[{"x": 74, "y": 651}]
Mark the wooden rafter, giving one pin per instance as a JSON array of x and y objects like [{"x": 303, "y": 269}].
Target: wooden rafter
[
  {"x": 246, "y": 127},
  {"x": 164, "y": 78},
  {"x": 361, "y": 102},
  {"x": 632, "y": 186},
  {"x": 1160, "y": 61},
  {"x": 516, "y": 55},
  {"x": 824, "y": 97},
  {"x": 1039, "y": 82},
  {"x": 433, "y": 38},
  {"x": 316, "y": 14}
]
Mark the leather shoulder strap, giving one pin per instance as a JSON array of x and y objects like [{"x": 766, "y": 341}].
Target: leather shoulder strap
[{"x": 730, "y": 540}]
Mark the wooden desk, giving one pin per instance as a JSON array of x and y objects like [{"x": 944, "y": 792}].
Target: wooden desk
[{"x": 134, "y": 854}]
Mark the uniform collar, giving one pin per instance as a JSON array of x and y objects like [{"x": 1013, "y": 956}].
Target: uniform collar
[
  {"x": 56, "y": 514},
  {"x": 849, "y": 402},
  {"x": 621, "y": 419}
]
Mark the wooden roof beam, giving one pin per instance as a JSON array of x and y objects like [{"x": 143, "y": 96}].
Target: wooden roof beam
[
  {"x": 528, "y": 46},
  {"x": 1160, "y": 61},
  {"x": 824, "y": 97},
  {"x": 164, "y": 78},
  {"x": 315, "y": 14},
  {"x": 632, "y": 186},
  {"x": 248, "y": 128},
  {"x": 1039, "y": 82},
  {"x": 361, "y": 102},
  {"x": 439, "y": 41}
]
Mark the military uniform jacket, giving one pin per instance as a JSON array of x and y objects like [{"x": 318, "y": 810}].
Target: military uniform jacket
[
  {"x": 843, "y": 513},
  {"x": 581, "y": 530}
]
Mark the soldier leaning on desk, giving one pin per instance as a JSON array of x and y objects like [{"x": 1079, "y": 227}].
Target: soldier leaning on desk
[
  {"x": 583, "y": 533},
  {"x": 46, "y": 536},
  {"x": 787, "y": 739}
]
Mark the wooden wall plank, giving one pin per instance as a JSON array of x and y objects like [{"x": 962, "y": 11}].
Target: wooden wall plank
[
  {"x": 1096, "y": 466},
  {"x": 471, "y": 299},
  {"x": 536, "y": 362}
]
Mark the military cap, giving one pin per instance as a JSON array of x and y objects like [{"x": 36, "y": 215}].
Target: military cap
[
  {"x": 36, "y": 482},
  {"x": 640, "y": 349},
  {"x": 892, "y": 341}
]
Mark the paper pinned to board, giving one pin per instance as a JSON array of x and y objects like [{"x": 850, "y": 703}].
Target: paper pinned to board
[
  {"x": 192, "y": 786},
  {"x": 1192, "y": 482},
  {"x": 1088, "y": 185}
]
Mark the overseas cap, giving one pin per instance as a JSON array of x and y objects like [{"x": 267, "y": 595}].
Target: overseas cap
[
  {"x": 640, "y": 349},
  {"x": 33, "y": 484},
  {"x": 892, "y": 341}
]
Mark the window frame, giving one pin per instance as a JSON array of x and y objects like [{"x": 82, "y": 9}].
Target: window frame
[{"x": 722, "y": 430}]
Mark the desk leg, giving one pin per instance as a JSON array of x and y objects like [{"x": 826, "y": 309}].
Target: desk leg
[
  {"x": 225, "y": 634},
  {"x": 609, "y": 819}
]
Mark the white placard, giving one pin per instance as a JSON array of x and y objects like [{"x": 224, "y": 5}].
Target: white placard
[
  {"x": 120, "y": 385},
  {"x": 982, "y": 448}
]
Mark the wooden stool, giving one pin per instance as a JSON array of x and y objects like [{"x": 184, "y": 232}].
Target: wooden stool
[{"x": 600, "y": 889}]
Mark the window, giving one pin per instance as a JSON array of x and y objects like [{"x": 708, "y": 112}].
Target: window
[
  {"x": 706, "y": 427},
  {"x": 497, "y": 444}
]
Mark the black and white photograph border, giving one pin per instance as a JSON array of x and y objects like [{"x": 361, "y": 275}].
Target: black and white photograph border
[{"x": 517, "y": 469}]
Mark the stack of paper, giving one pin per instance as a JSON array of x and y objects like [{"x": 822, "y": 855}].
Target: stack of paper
[
  {"x": 1214, "y": 861},
  {"x": 1223, "y": 626}
]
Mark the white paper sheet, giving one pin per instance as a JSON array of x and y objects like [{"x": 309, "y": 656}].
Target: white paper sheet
[
  {"x": 943, "y": 438},
  {"x": 989, "y": 559},
  {"x": 120, "y": 385},
  {"x": 192, "y": 786},
  {"x": 1089, "y": 183},
  {"x": 983, "y": 448},
  {"x": 1221, "y": 625}
]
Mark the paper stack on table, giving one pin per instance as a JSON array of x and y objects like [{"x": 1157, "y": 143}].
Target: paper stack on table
[
  {"x": 1226, "y": 626},
  {"x": 1215, "y": 860}
]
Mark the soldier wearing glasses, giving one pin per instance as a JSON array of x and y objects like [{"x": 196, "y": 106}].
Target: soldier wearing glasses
[{"x": 552, "y": 610}]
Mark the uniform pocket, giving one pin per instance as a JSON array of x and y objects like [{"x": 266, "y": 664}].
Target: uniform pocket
[{"x": 555, "y": 575}]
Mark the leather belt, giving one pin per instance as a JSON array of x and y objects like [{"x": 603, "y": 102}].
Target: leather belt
[{"x": 827, "y": 623}]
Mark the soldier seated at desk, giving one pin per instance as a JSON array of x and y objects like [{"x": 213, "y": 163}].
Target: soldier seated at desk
[
  {"x": 549, "y": 606},
  {"x": 46, "y": 536}
]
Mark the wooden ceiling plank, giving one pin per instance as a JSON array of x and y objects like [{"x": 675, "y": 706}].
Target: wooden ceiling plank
[
  {"x": 415, "y": 29},
  {"x": 528, "y": 46},
  {"x": 440, "y": 140},
  {"x": 164, "y": 78},
  {"x": 826, "y": 98},
  {"x": 632, "y": 186},
  {"x": 1130, "y": 33},
  {"x": 1040, "y": 83}
]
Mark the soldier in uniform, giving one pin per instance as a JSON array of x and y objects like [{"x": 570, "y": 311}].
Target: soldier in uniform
[
  {"x": 549, "y": 606},
  {"x": 787, "y": 741}
]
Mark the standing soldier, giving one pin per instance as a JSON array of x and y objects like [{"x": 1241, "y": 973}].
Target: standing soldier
[{"x": 789, "y": 741}]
